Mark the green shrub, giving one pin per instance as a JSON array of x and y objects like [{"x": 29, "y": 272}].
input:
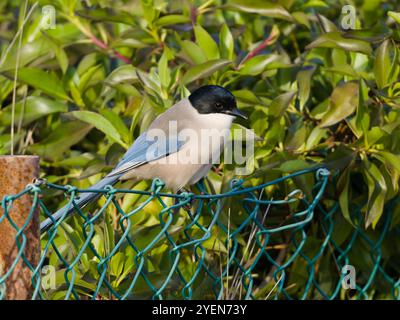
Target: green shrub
[{"x": 316, "y": 94}]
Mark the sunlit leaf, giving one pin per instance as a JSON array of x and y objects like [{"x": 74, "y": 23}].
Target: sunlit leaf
[
  {"x": 395, "y": 16},
  {"x": 326, "y": 24},
  {"x": 107, "y": 14},
  {"x": 61, "y": 139},
  {"x": 335, "y": 40},
  {"x": 203, "y": 70},
  {"x": 266, "y": 8},
  {"x": 193, "y": 51},
  {"x": 280, "y": 104},
  {"x": 171, "y": 20},
  {"x": 206, "y": 42},
  {"x": 100, "y": 123},
  {"x": 33, "y": 108},
  {"x": 382, "y": 64},
  {"x": 260, "y": 63},
  {"x": 226, "y": 43},
  {"x": 343, "y": 102},
  {"x": 376, "y": 193},
  {"x": 304, "y": 82},
  {"x": 41, "y": 80}
]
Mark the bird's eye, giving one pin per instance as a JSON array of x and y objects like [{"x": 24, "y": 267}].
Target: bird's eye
[{"x": 219, "y": 106}]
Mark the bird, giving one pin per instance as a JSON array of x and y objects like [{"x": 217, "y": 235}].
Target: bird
[{"x": 171, "y": 137}]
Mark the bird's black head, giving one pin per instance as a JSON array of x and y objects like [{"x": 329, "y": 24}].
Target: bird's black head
[{"x": 215, "y": 99}]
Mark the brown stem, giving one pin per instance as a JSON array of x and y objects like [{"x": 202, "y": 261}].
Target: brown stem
[
  {"x": 193, "y": 15},
  {"x": 97, "y": 42},
  {"x": 260, "y": 47}
]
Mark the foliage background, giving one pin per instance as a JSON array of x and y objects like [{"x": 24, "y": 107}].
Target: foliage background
[{"x": 314, "y": 92}]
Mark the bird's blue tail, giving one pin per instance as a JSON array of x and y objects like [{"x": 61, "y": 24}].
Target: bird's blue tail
[{"x": 83, "y": 200}]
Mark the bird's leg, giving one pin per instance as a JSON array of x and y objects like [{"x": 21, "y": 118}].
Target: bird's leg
[
  {"x": 201, "y": 185},
  {"x": 188, "y": 205}
]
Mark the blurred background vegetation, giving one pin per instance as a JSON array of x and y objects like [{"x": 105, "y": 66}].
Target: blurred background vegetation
[{"x": 78, "y": 94}]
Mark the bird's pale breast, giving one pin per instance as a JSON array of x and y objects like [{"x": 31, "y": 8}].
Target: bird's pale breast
[{"x": 204, "y": 136}]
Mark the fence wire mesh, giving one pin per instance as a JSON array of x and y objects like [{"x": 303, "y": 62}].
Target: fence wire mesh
[{"x": 246, "y": 243}]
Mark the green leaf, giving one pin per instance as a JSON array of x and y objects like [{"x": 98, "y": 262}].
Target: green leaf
[
  {"x": 163, "y": 71},
  {"x": 149, "y": 10},
  {"x": 127, "y": 43},
  {"x": 343, "y": 187},
  {"x": 264, "y": 8},
  {"x": 206, "y": 42},
  {"x": 301, "y": 18},
  {"x": 340, "y": 158},
  {"x": 297, "y": 135},
  {"x": 247, "y": 97},
  {"x": 204, "y": 70},
  {"x": 89, "y": 77},
  {"x": 148, "y": 81},
  {"x": 80, "y": 160},
  {"x": 118, "y": 123},
  {"x": 5, "y": 142},
  {"x": 294, "y": 165},
  {"x": 62, "y": 58},
  {"x": 106, "y": 14},
  {"x": 279, "y": 105},
  {"x": 395, "y": 16},
  {"x": 315, "y": 137},
  {"x": 366, "y": 35},
  {"x": 376, "y": 193},
  {"x": 226, "y": 42},
  {"x": 375, "y": 134},
  {"x": 171, "y": 19},
  {"x": 117, "y": 264},
  {"x": 125, "y": 74},
  {"x": 61, "y": 139},
  {"x": 343, "y": 69},
  {"x": 33, "y": 109},
  {"x": 193, "y": 52},
  {"x": 304, "y": 83},
  {"x": 41, "y": 80},
  {"x": 343, "y": 102},
  {"x": 362, "y": 118},
  {"x": 390, "y": 158},
  {"x": 260, "y": 63},
  {"x": 326, "y": 24},
  {"x": 382, "y": 64},
  {"x": 238, "y": 132},
  {"x": 335, "y": 40},
  {"x": 100, "y": 123},
  {"x": 29, "y": 52}
]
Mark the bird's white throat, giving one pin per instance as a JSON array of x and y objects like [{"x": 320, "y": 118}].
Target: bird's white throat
[{"x": 218, "y": 121}]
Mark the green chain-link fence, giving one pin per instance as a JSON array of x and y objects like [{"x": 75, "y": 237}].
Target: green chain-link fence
[{"x": 245, "y": 243}]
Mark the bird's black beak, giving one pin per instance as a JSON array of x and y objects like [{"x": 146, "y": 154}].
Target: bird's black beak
[{"x": 237, "y": 113}]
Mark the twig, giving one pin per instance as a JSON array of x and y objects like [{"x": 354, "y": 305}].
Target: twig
[
  {"x": 21, "y": 116},
  {"x": 276, "y": 284},
  {"x": 220, "y": 262},
  {"x": 7, "y": 51},
  {"x": 281, "y": 256},
  {"x": 14, "y": 96},
  {"x": 228, "y": 248},
  {"x": 193, "y": 15},
  {"x": 253, "y": 232},
  {"x": 97, "y": 42},
  {"x": 259, "y": 48}
]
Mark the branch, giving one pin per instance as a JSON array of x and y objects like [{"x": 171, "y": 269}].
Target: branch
[
  {"x": 104, "y": 46},
  {"x": 271, "y": 38}
]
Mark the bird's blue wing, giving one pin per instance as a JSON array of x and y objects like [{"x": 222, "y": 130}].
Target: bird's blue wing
[{"x": 145, "y": 149}]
